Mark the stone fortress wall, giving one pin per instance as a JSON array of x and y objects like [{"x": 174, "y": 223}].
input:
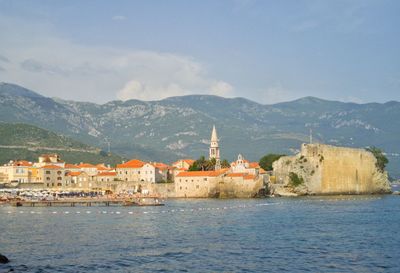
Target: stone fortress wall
[{"x": 328, "y": 169}]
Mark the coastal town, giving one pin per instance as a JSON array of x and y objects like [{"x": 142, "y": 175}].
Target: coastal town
[{"x": 241, "y": 179}]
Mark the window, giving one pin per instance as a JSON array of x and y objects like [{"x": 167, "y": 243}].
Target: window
[
  {"x": 197, "y": 186},
  {"x": 52, "y": 184},
  {"x": 47, "y": 172},
  {"x": 126, "y": 172},
  {"x": 48, "y": 184},
  {"x": 59, "y": 172},
  {"x": 59, "y": 184},
  {"x": 59, "y": 178},
  {"x": 138, "y": 172},
  {"x": 47, "y": 178},
  {"x": 180, "y": 187}
]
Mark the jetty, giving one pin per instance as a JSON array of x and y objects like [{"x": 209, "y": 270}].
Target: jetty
[{"x": 147, "y": 201}]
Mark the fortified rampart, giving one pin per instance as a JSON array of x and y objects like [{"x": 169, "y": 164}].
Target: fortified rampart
[{"x": 325, "y": 169}]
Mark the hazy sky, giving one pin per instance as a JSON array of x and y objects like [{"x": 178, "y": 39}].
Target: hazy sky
[{"x": 267, "y": 51}]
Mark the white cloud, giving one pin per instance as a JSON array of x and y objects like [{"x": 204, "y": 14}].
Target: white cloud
[
  {"x": 136, "y": 90},
  {"x": 221, "y": 88},
  {"x": 58, "y": 67},
  {"x": 119, "y": 18}
]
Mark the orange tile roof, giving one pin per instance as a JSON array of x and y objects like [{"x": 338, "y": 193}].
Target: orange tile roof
[
  {"x": 107, "y": 174},
  {"x": 134, "y": 163},
  {"x": 188, "y": 161},
  {"x": 71, "y": 166},
  {"x": 102, "y": 168},
  {"x": 51, "y": 167},
  {"x": 162, "y": 166},
  {"x": 22, "y": 163},
  {"x": 254, "y": 165},
  {"x": 250, "y": 177},
  {"x": 73, "y": 173},
  {"x": 86, "y": 165},
  {"x": 236, "y": 174},
  {"x": 202, "y": 173},
  {"x": 262, "y": 171}
]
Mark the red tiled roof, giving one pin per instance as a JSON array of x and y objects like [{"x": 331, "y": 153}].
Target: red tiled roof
[
  {"x": 162, "y": 166},
  {"x": 236, "y": 174},
  {"x": 249, "y": 177},
  {"x": 73, "y": 173},
  {"x": 188, "y": 161},
  {"x": 134, "y": 163},
  {"x": 107, "y": 174},
  {"x": 254, "y": 165},
  {"x": 71, "y": 166},
  {"x": 86, "y": 165},
  {"x": 22, "y": 163}
]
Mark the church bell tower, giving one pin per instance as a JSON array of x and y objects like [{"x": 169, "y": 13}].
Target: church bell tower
[{"x": 214, "y": 148}]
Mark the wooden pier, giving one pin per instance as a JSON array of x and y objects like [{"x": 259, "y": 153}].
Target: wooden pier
[{"x": 86, "y": 203}]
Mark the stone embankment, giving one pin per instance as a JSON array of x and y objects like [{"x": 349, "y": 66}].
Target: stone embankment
[{"x": 323, "y": 169}]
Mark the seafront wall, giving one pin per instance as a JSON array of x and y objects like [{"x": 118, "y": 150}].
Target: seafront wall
[
  {"x": 222, "y": 187},
  {"x": 239, "y": 188},
  {"x": 325, "y": 169}
]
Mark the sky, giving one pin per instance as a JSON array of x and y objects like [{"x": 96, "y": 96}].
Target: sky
[{"x": 265, "y": 51}]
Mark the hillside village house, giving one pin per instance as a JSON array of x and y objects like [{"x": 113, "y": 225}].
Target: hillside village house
[
  {"x": 130, "y": 171},
  {"x": 53, "y": 176},
  {"x": 108, "y": 176},
  {"x": 16, "y": 171},
  {"x": 139, "y": 171},
  {"x": 77, "y": 180},
  {"x": 183, "y": 164},
  {"x": 49, "y": 159},
  {"x": 90, "y": 169}
]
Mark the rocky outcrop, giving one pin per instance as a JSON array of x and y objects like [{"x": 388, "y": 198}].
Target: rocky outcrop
[{"x": 324, "y": 169}]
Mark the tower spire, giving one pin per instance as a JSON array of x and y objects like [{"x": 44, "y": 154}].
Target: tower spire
[
  {"x": 214, "y": 136},
  {"x": 214, "y": 148}
]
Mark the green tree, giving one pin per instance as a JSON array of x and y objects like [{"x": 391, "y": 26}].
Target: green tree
[
  {"x": 267, "y": 160},
  {"x": 203, "y": 164},
  {"x": 225, "y": 164},
  {"x": 381, "y": 159},
  {"x": 295, "y": 180}
]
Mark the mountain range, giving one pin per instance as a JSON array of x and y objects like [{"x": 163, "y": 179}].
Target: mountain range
[{"x": 178, "y": 127}]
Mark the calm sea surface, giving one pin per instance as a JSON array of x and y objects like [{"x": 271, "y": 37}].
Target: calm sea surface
[{"x": 310, "y": 234}]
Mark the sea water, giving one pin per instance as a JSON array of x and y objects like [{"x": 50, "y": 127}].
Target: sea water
[{"x": 307, "y": 234}]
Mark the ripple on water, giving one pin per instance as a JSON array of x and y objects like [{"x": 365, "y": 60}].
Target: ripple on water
[{"x": 329, "y": 234}]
